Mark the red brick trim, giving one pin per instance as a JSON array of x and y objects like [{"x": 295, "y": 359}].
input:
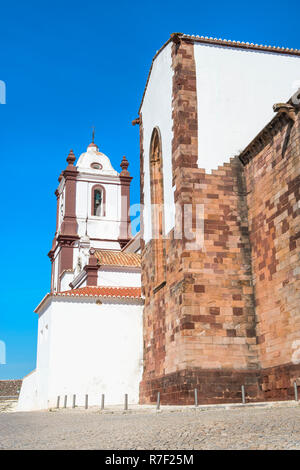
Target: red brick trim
[
  {"x": 69, "y": 224},
  {"x": 66, "y": 242},
  {"x": 69, "y": 227},
  {"x": 125, "y": 225},
  {"x": 184, "y": 104},
  {"x": 92, "y": 270}
]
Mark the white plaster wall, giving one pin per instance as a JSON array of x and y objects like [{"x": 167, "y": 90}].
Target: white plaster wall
[
  {"x": 43, "y": 356},
  {"x": 236, "y": 90},
  {"x": 65, "y": 280},
  {"x": 105, "y": 245},
  {"x": 81, "y": 257},
  {"x": 106, "y": 227},
  {"x": 34, "y": 391},
  {"x": 91, "y": 349},
  {"x": 55, "y": 268},
  {"x": 28, "y": 394},
  {"x": 157, "y": 112},
  {"x": 119, "y": 277},
  {"x": 61, "y": 207}
]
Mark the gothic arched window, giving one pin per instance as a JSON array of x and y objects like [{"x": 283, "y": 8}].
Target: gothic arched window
[
  {"x": 98, "y": 201},
  {"x": 157, "y": 206}
]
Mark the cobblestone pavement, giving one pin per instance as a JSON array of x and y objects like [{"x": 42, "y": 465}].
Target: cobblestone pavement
[{"x": 188, "y": 429}]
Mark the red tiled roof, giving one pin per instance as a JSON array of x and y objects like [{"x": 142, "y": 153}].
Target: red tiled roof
[
  {"x": 118, "y": 258},
  {"x": 97, "y": 291},
  {"x": 103, "y": 291}
]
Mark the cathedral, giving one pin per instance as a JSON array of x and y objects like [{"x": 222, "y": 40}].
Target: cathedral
[{"x": 207, "y": 295}]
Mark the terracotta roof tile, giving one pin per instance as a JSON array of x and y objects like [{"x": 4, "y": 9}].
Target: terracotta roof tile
[
  {"x": 118, "y": 258},
  {"x": 102, "y": 291},
  {"x": 96, "y": 291}
]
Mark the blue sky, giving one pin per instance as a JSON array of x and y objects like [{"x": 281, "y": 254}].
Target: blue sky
[{"x": 68, "y": 66}]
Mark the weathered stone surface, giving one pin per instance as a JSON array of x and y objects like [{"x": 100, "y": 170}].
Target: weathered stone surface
[
  {"x": 10, "y": 387},
  {"x": 233, "y": 304}
]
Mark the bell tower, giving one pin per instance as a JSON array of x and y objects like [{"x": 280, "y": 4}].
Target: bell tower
[{"x": 93, "y": 202}]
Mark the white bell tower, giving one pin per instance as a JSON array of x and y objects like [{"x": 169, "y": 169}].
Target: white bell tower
[{"x": 93, "y": 202}]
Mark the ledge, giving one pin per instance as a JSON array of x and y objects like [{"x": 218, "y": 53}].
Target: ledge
[{"x": 160, "y": 286}]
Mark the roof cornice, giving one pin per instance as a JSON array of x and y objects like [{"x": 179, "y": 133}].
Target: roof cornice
[
  {"x": 237, "y": 44},
  {"x": 86, "y": 175},
  {"x": 83, "y": 297},
  {"x": 268, "y": 132}
]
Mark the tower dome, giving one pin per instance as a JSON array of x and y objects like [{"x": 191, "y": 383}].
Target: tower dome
[{"x": 95, "y": 161}]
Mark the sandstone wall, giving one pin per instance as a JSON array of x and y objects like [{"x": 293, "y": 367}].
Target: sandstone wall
[
  {"x": 228, "y": 313},
  {"x": 273, "y": 177}
]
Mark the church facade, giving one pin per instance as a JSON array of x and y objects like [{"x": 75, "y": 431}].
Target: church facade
[
  {"x": 207, "y": 295},
  {"x": 220, "y": 247}
]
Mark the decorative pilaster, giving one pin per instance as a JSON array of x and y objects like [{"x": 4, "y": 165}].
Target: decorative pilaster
[
  {"x": 92, "y": 269},
  {"x": 68, "y": 230},
  {"x": 69, "y": 224},
  {"x": 184, "y": 104},
  {"x": 125, "y": 226}
]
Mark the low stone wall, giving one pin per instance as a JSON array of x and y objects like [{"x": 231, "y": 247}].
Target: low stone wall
[
  {"x": 10, "y": 387},
  {"x": 277, "y": 383},
  {"x": 213, "y": 385},
  {"x": 222, "y": 385}
]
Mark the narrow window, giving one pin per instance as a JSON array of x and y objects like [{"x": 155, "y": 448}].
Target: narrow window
[
  {"x": 98, "y": 201},
  {"x": 157, "y": 207}
]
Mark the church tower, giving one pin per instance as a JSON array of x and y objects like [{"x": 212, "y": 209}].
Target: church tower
[
  {"x": 93, "y": 202},
  {"x": 90, "y": 324}
]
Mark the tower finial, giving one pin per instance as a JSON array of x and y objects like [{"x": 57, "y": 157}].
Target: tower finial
[
  {"x": 124, "y": 165},
  {"x": 92, "y": 144},
  {"x": 71, "y": 158}
]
